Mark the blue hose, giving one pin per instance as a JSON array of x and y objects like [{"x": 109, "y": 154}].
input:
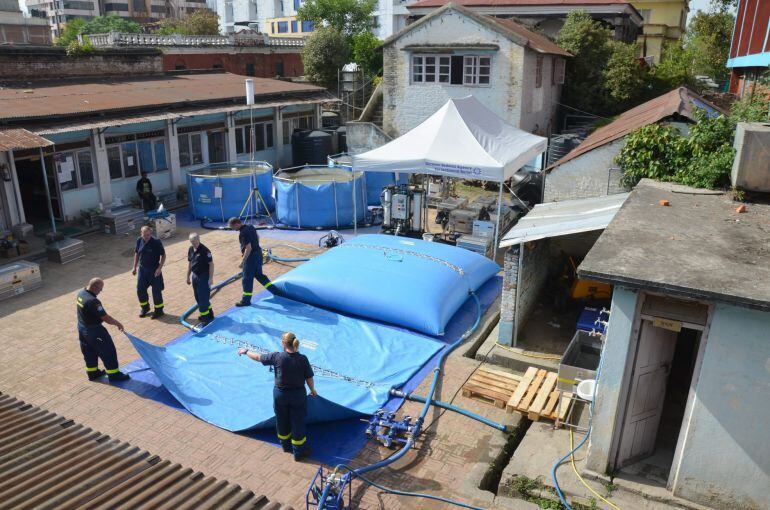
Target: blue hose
[
  {"x": 214, "y": 290},
  {"x": 451, "y": 407},
  {"x": 556, "y": 465},
  {"x": 282, "y": 259}
]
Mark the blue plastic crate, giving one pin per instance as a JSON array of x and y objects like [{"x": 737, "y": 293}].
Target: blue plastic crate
[{"x": 588, "y": 318}]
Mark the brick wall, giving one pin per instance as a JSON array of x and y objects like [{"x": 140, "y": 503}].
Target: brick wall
[
  {"x": 52, "y": 63},
  {"x": 265, "y": 65},
  {"x": 534, "y": 273},
  {"x": 592, "y": 174}
]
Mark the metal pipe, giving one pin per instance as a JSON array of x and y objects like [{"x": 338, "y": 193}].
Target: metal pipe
[
  {"x": 518, "y": 295},
  {"x": 47, "y": 190},
  {"x": 499, "y": 211},
  {"x": 450, "y": 407}
]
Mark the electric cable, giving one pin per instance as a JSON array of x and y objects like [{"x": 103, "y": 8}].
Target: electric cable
[{"x": 574, "y": 468}]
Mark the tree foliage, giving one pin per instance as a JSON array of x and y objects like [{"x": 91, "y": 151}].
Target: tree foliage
[
  {"x": 97, "y": 25},
  {"x": 365, "y": 54},
  {"x": 604, "y": 75},
  {"x": 199, "y": 22},
  {"x": 751, "y": 108},
  {"x": 325, "y": 52},
  {"x": 349, "y": 17},
  {"x": 708, "y": 40}
]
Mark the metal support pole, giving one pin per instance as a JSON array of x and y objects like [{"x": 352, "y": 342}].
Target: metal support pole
[
  {"x": 47, "y": 190},
  {"x": 497, "y": 228},
  {"x": 518, "y": 295},
  {"x": 355, "y": 211}
]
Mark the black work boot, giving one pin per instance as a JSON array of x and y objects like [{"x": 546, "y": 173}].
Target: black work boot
[
  {"x": 205, "y": 319},
  {"x": 286, "y": 445},
  {"x": 118, "y": 376},
  {"x": 302, "y": 453},
  {"x": 144, "y": 311},
  {"x": 243, "y": 303},
  {"x": 157, "y": 313},
  {"x": 95, "y": 374}
]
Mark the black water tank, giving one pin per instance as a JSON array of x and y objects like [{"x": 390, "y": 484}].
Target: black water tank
[
  {"x": 310, "y": 147},
  {"x": 330, "y": 119},
  {"x": 342, "y": 139},
  {"x": 333, "y": 133}
]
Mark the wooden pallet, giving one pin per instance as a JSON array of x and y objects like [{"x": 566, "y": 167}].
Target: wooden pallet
[
  {"x": 491, "y": 386},
  {"x": 536, "y": 396}
]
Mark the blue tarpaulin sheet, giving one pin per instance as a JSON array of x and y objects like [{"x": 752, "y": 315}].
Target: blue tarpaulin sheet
[{"x": 356, "y": 362}]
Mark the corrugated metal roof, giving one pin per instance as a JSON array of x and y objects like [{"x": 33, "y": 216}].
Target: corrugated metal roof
[
  {"x": 178, "y": 114},
  {"x": 112, "y": 95},
  {"x": 681, "y": 101},
  {"x": 555, "y": 219},
  {"x": 17, "y": 139},
  {"x": 508, "y": 28},
  {"x": 47, "y": 461}
]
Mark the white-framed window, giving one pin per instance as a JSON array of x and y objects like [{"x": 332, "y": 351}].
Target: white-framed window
[
  {"x": 557, "y": 74},
  {"x": 74, "y": 169},
  {"x": 468, "y": 70},
  {"x": 263, "y": 137},
  {"x": 305, "y": 121},
  {"x": 539, "y": 71},
  {"x": 129, "y": 155},
  {"x": 190, "y": 149}
]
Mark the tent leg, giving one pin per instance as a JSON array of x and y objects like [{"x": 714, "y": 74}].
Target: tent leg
[
  {"x": 497, "y": 227},
  {"x": 47, "y": 190}
]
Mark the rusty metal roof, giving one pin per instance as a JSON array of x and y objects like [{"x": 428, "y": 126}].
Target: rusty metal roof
[
  {"x": 507, "y": 28},
  {"x": 17, "y": 139},
  {"x": 681, "y": 101},
  {"x": 43, "y": 101},
  {"x": 47, "y": 461}
]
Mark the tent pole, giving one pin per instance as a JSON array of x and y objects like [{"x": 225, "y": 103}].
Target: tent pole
[
  {"x": 47, "y": 190},
  {"x": 497, "y": 227}
]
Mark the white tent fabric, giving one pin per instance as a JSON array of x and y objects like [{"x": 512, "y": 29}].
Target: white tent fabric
[{"x": 463, "y": 139}]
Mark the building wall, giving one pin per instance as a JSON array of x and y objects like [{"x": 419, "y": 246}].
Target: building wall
[
  {"x": 726, "y": 455},
  {"x": 534, "y": 267},
  {"x": 405, "y": 105},
  {"x": 265, "y": 65},
  {"x": 539, "y": 104},
  {"x": 53, "y": 63},
  {"x": 665, "y": 22},
  {"x": 18, "y": 29},
  {"x": 593, "y": 174}
]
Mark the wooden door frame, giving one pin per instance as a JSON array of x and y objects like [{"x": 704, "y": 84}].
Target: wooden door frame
[{"x": 628, "y": 372}]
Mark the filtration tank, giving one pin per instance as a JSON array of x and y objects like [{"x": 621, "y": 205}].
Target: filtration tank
[{"x": 221, "y": 191}]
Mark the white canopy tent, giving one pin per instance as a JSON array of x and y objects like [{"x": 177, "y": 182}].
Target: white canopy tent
[{"x": 463, "y": 139}]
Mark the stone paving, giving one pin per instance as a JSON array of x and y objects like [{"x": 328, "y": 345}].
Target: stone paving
[{"x": 40, "y": 362}]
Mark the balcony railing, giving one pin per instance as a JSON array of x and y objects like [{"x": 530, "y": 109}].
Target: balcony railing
[{"x": 112, "y": 39}]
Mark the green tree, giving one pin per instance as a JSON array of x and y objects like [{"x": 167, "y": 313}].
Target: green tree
[
  {"x": 708, "y": 41},
  {"x": 200, "y": 22},
  {"x": 97, "y": 25},
  {"x": 324, "y": 54},
  {"x": 365, "y": 53},
  {"x": 674, "y": 70},
  {"x": 751, "y": 108},
  {"x": 349, "y": 17},
  {"x": 624, "y": 77}
]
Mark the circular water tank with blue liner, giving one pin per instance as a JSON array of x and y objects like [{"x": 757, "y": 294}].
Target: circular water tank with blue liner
[
  {"x": 318, "y": 197},
  {"x": 375, "y": 181},
  {"x": 222, "y": 191}
]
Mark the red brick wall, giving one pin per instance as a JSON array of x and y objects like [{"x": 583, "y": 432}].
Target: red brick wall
[{"x": 265, "y": 64}]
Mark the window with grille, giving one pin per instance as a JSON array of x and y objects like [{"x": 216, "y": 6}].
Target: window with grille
[
  {"x": 557, "y": 74},
  {"x": 451, "y": 69}
]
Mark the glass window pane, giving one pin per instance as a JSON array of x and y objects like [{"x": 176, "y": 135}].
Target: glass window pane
[
  {"x": 86, "y": 168},
  {"x": 65, "y": 168},
  {"x": 146, "y": 160},
  {"x": 239, "y": 145},
  {"x": 195, "y": 148},
  {"x": 184, "y": 150},
  {"x": 130, "y": 163},
  {"x": 269, "y": 135},
  {"x": 113, "y": 161},
  {"x": 160, "y": 155}
]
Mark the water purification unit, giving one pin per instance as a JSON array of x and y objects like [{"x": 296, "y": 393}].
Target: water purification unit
[{"x": 404, "y": 210}]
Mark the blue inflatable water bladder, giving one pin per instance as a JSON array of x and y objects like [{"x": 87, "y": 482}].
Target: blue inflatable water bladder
[{"x": 407, "y": 282}]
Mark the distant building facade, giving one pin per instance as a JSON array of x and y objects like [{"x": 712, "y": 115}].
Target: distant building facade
[
  {"x": 454, "y": 52},
  {"x": 273, "y": 17},
  {"x": 16, "y": 28},
  {"x": 750, "y": 47},
  {"x": 664, "y": 22}
]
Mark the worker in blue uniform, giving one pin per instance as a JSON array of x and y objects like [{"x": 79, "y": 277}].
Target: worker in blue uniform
[
  {"x": 149, "y": 257},
  {"x": 200, "y": 274},
  {"x": 95, "y": 340},
  {"x": 292, "y": 372},
  {"x": 251, "y": 260}
]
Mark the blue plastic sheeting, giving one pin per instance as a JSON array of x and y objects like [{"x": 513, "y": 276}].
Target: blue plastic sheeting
[
  {"x": 375, "y": 181},
  {"x": 236, "y": 198},
  {"x": 356, "y": 363},
  {"x": 327, "y": 205},
  {"x": 407, "y": 282}
]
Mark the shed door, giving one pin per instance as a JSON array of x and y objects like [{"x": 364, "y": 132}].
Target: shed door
[{"x": 654, "y": 354}]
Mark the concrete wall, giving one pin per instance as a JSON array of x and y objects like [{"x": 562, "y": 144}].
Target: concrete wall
[
  {"x": 364, "y": 136},
  {"x": 406, "y": 105},
  {"x": 18, "y": 64},
  {"x": 538, "y": 104},
  {"x": 592, "y": 174},
  {"x": 535, "y": 266},
  {"x": 726, "y": 454}
]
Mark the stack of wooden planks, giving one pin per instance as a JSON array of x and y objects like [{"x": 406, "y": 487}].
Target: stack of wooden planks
[{"x": 534, "y": 394}]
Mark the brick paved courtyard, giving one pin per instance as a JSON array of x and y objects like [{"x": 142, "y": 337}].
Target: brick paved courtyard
[{"x": 40, "y": 362}]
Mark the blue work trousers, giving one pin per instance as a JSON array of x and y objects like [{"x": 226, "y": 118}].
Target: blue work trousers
[
  {"x": 146, "y": 278},
  {"x": 95, "y": 343},
  {"x": 290, "y": 406},
  {"x": 202, "y": 292},
  {"x": 252, "y": 269}
]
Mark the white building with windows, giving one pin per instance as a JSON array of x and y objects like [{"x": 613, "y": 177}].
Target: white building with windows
[
  {"x": 273, "y": 17},
  {"x": 96, "y": 137},
  {"x": 454, "y": 52}
]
